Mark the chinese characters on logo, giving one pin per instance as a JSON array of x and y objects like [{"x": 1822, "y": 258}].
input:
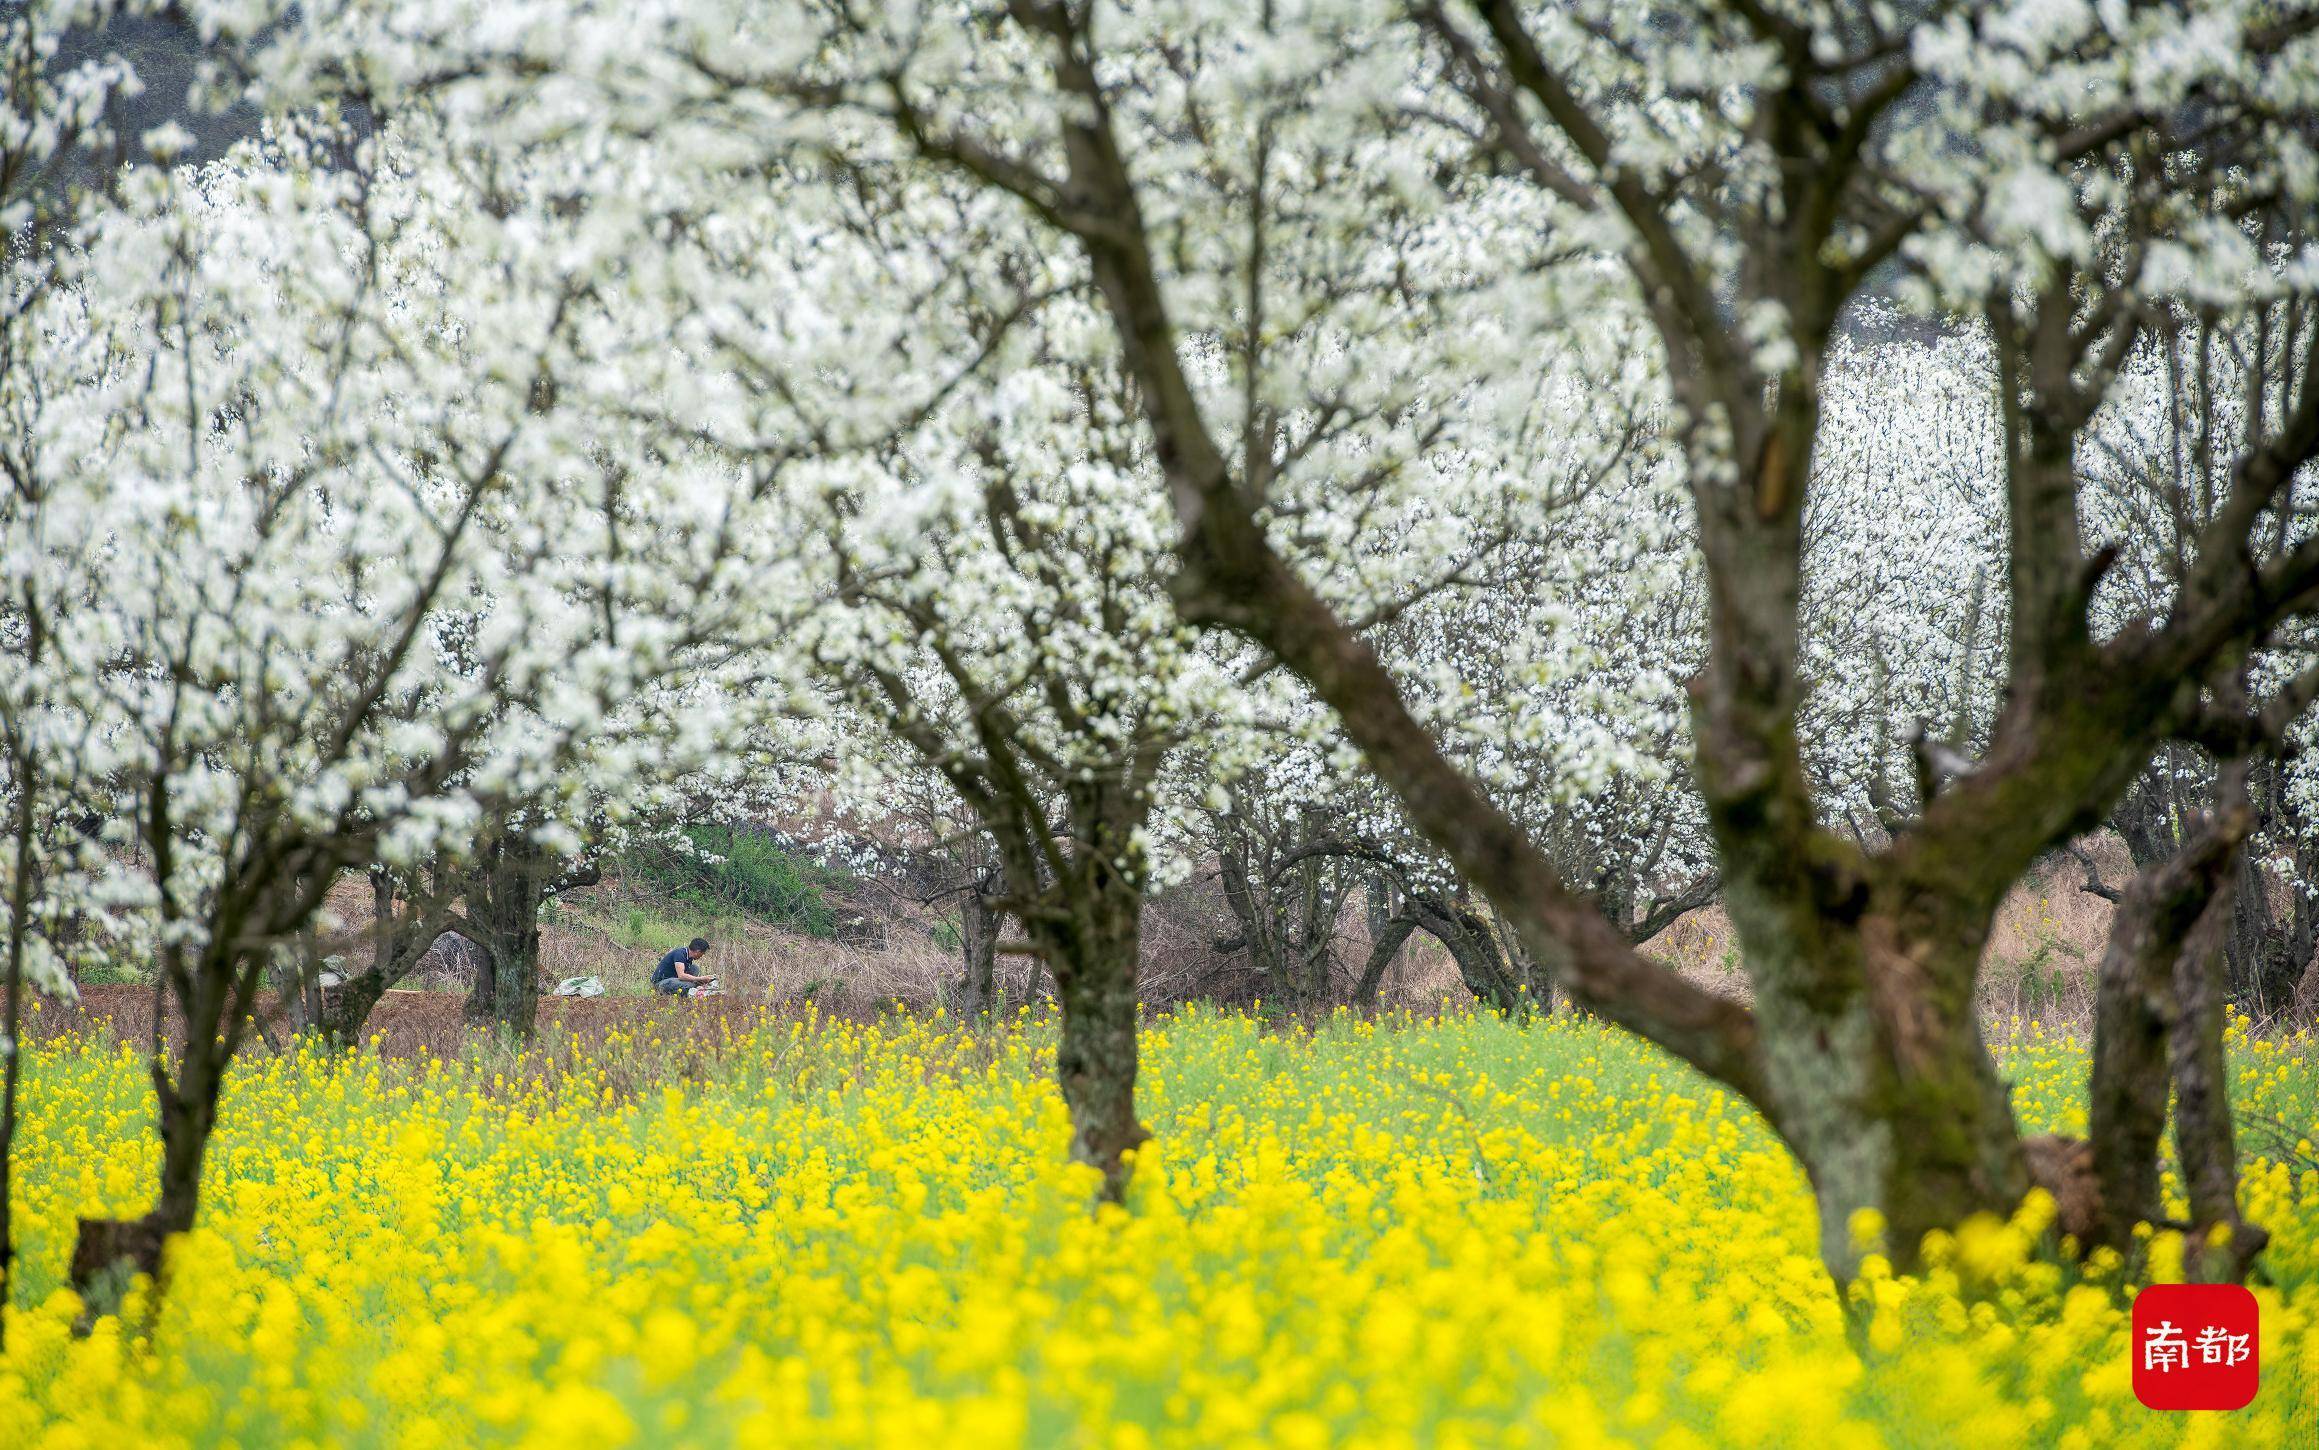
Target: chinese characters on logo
[{"x": 2195, "y": 1347}]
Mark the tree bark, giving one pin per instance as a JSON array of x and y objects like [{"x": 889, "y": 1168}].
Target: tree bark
[
  {"x": 504, "y": 890},
  {"x": 12, "y": 1035},
  {"x": 2274, "y": 933},
  {"x": 978, "y": 943},
  {"x": 1474, "y": 948},
  {"x": 508, "y": 998},
  {"x": 1885, "y": 1091},
  {"x": 1092, "y": 946},
  {"x": 396, "y": 947},
  {"x": 108, "y": 1253},
  {"x": 2204, "y": 1140},
  {"x": 2135, "y": 1009},
  {"x": 1386, "y": 940},
  {"x": 482, "y": 993},
  {"x": 346, "y": 1008}
]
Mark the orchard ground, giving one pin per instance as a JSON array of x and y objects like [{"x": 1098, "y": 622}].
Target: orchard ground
[{"x": 671, "y": 1227}]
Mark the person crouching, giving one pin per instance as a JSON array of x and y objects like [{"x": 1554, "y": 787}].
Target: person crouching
[{"x": 675, "y": 977}]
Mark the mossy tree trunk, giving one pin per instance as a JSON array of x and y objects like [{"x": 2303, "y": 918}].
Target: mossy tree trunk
[
  {"x": 1092, "y": 943},
  {"x": 978, "y": 929},
  {"x": 504, "y": 887}
]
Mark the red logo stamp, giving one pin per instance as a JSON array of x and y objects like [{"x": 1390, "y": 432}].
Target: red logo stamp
[{"x": 2195, "y": 1347}]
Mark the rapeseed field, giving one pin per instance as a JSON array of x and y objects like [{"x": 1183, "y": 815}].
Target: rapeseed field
[{"x": 1416, "y": 1231}]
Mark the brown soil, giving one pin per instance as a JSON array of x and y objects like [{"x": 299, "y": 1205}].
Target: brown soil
[{"x": 407, "y": 1023}]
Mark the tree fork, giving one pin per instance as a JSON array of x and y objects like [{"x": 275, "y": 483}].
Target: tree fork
[{"x": 2135, "y": 1010}]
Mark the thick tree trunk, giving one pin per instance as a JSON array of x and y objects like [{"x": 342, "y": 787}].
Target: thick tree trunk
[
  {"x": 11, "y": 1033},
  {"x": 2274, "y": 932},
  {"x": 1094, "y": 959},
  {"x": 483, "y": 992},
  {"x": 505, "y": 890},
  {"x": 2203, "y": 1136},
  {"x": 347, "y": 1007},
  {"x": 978, "y": 924},
  {"x": 506, "y": 991},
  {"x": 507, "y": 996},
  {"x": 2135, "y": 1009},
  {"x": 1887, "y": 1094},
  {"x": 108, "y": 1253}
]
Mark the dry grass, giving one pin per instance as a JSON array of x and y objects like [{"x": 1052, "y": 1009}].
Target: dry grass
[
  {"x": 2039, "y": 967},
  {"x": 412, "y": 1023},
  {"x": 900, "y": 955}
]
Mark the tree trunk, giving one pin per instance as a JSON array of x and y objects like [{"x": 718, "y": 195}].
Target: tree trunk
[
  {"x": 1536, "y": 978},
  {"x": 1250, "y": 898},
  {"x": 2274, "y": 932},
  {"x": 506, "y": 991},
  {"x": 1093, "y": 955},
  {"x": 347, "y": 1007},
  {"x": 12, "y": 1043},
  {"x": 1887, "y": 1094},
  {"x": 2137, "y": 1004},
  {"x": 505, "y": 889},
  {"x": 396, "y": 946},
  {"x": 482, "y": 993},
  {"x": 1472, "y": 945},
  {"x": 2203, "y": 1137},
  {"x": 978, "y": 924},
  {"x": 508, "y": 998},
  {"x": 1385, "y": 943},
  {"x": 108, "y": 1253}
]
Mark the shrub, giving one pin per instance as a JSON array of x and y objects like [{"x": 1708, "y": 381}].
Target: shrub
[{"x": 742, "y": 870}]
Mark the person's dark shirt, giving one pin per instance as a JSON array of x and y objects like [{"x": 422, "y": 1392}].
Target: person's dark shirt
[{"x": 668, "y": 964}]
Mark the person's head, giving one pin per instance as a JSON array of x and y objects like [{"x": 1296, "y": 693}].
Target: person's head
[{"x": 699, "y": 947}]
